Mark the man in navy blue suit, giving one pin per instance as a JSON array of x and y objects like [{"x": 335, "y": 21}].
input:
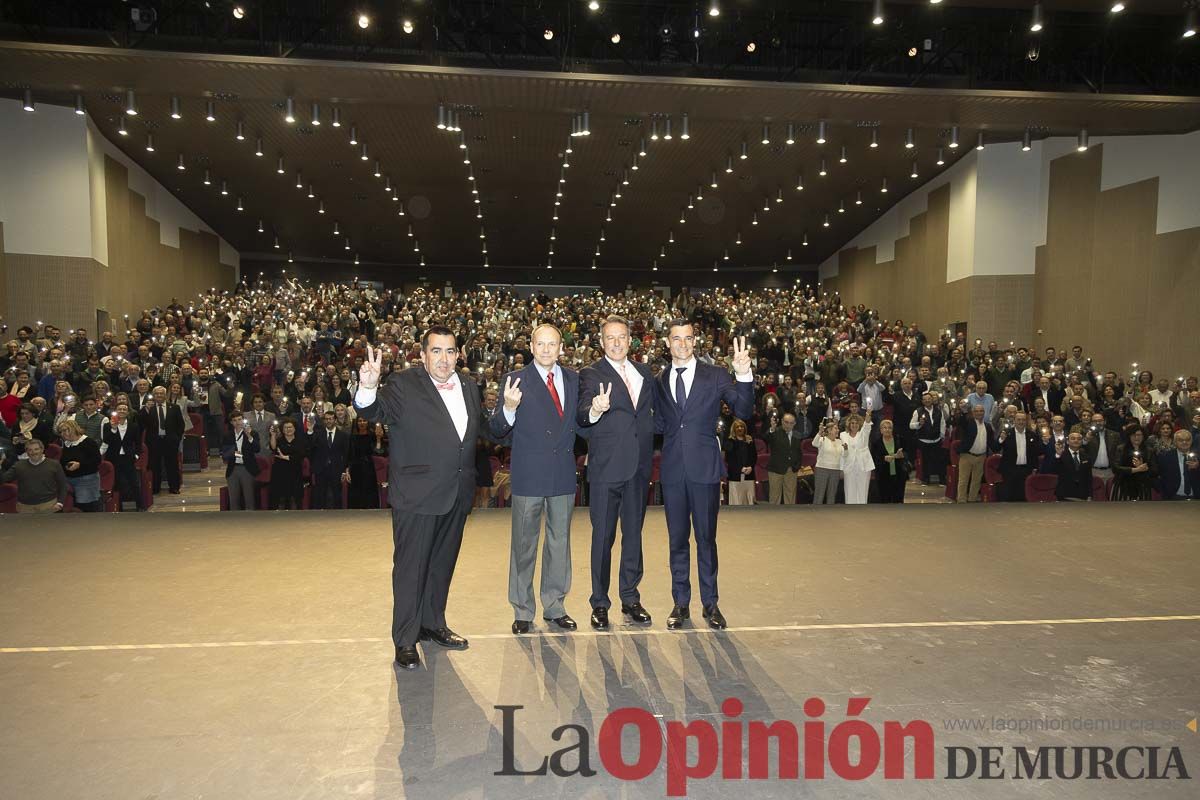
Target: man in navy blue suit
[
  {"x": 1179, "y": 470},
  {"x": 540, "y": 419},
  {"x": 616, "y": 400},
  {"x": 690, "y": 394}
]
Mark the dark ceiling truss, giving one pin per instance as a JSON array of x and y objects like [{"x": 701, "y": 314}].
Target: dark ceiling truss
[{"x": 974, "y": 46}]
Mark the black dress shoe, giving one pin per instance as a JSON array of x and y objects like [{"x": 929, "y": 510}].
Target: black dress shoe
[
  {"x": 565, "y": 622},
  {"x": 520, "y": 626},
  {"x": 678, "y": 615},
  {"x": 407, "y": 658},
  {"x": 714, "y": 616},
  {"x": 600, "y": 619},
  {"x": 445, "y": 637},
  {"x": 636, "y": 613}
]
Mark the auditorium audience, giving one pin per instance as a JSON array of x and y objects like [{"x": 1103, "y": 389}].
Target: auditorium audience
[{"x": 281, "y": 356}]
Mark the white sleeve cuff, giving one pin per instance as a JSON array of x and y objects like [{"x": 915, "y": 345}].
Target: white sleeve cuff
[
  {"x": 593, "y": 417},
  {"x": 364, "y": 396},
  {"x": 747, "y": 378},
  {"x": 510, "y": 416}
]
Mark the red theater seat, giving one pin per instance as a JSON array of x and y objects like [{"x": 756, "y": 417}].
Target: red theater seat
[{"x": 1040, "y": 488}]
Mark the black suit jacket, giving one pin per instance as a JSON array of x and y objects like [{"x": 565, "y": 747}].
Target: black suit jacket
[
  {"x": 148, "y": 418},
  {"x": 1169, "y": 475},
  {"x": 1008, "y": 451},
  {"x": 783, "y": 456},
  {"x": 132, "y": 443},
  {"x": 1072, "y": 481},
  {"x": 622, "y": 441},
  {"x": 428, "y": 466},
  {"x": 328, "y": 461},
  {"x": 249, "y": 452}
]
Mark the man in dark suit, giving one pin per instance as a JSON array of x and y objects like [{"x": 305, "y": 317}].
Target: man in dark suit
[
  {"x": 1179, "y": 470},
  {"x": 541, "y": 421},
  {"x": 121, "y": 444},
  {"x": 616, "y": 398},
  {"x": 1100, "y": 444},
  {"x": 329, "y": 449},
  {"x": 784, "y": 445},
  {"x": 1019, "y": 451},
  {"x": 239, "y": 451},
  {"x": 433, "y": 417},
  {"x": 163, "y": 424},
  {"x": 689, "y": 398},
  {"x": 1071, "y": 465},
  {"x": 905, "y": 401}
]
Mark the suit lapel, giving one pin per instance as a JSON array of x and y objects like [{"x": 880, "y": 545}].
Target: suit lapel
[{"x": 425, "y": 380}]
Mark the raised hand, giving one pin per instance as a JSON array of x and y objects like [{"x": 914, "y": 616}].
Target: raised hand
[
  {"x": 371, "y": 369},
  {"x": 741, "y": 356},
  {"x": 512, "y": 393},
  {"x": 602, "y": 400}
]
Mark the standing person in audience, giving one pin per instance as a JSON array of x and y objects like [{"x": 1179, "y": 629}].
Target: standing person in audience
[
  {"x": 857, "y": 463},
  {"x": 786, "y": 450},
  {"x": 929, "y": 424},
  {"x": 80, "y": 460},
  {"x": 239, "y": 451},
  {"x": 828, "y": 471},
  {"x": 9, "y": 405},
  {"x": 121, "y": 444},
  {"x": 363, "y": 491},
  {"x": 1179, "y": 470},
  {"x": 741, "y": 458},
  {"x": 288, "y": 452},
  {"x": 976, "y": 441},
  {"x": 1068, "y": 461},
  {"x": 259, "y": 419},
  {"x": 163, "y": 425},
  {"x": 329, "y": 449},
  {"x": 1134, "y": 468},
  {"x": 90, "y": 419},
  {"x": 1020, "y": 448},
  {"x": 41, "y": 484},
  {"x": 891, "y": 464}
]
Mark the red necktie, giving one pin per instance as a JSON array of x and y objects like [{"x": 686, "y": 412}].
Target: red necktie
[{"x": 554, "y": 394}]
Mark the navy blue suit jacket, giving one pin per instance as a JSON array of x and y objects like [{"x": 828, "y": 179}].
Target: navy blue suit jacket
[
  {"x": 543, "y": 444},
  {"x": 621, "y": 443},
  {"x": 1169, "y": 475},
  {"x": 690, "y": 451}
]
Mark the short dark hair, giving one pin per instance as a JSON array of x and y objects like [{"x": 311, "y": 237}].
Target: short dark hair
[
  {"x": 680, "y": 322},
  {"x": 235, "y": 414},
  {"x": 437, "y": 330}
]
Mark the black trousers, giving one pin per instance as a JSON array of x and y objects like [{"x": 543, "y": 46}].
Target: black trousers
[
  {"x": 1014, "y": 483},
  {"x": 126, "y": 481},
  {"x": 933, "y": 460},
  {"x": 164, "y": 461},
  {"x": 425, "y": 551},
  {"x": 327, "y": 491},
  {"x": 890, "y": 488},
  {"x": 608, "y": 504}
]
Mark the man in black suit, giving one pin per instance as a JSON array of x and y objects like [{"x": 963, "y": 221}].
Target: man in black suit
[
  {"x": 1071, "y": 465},
  {"x": 163, "y": 424},
  {"x": 1019, "y": 451},
  {"x": 121, "y": 444},
  {"x": 784, "y": 445},
  {"x": 433, "y": 417},
  {"x": 1179, "y": 470},
  {"x": 905, "y": 401},
  {"x": 239, "y": 451},
  {"x": 328, "y": 450},
  {"x": 616, "y": 398}
]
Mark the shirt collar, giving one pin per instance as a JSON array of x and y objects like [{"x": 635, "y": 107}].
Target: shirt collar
[
  {"x": 615, "y": 365},
  {"x": 543, "y": 371},
  {"x": 687, "y": 367}
]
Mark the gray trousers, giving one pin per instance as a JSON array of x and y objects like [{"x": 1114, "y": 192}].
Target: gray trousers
[
  {"x": 825, "y": 485},
  {"x": 241, "y": 489},
  {"x": 556, "y": 554}
]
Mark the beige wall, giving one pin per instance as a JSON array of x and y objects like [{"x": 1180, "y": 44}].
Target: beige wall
[
  {"x": 1106, "y": 280},
  {"x": 912, "y": 286}
]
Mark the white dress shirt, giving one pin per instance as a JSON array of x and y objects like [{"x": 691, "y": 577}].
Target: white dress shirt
[
  {"x": 1022, "y": 458},
  {"x": 979, "y": 446},
  {"x": 453, "y": 398},
  {"x": 1101, "y": 452},
  {"x": 635, "y": 377}
]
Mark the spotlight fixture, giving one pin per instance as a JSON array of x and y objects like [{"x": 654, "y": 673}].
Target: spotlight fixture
[
  {"x": 686, "y": 133},
  {"x": 1036, "y": 21},
  {"x": 642, "y": 149},
  {"x": 823, "y": 171},
  {"x": 28, "y": 102},
  {"x": 1026, "y": 144},
  {"x": 745, "y": 151},
  {"x": 913, "y": 174},
  {"x": 666, "y": 133},
  {"x": 131, "y": 103},
  {"x": 883, "y": 187},
  {"x": 289, "y": 110},
  {"x": 239, "y": 12},
  {"x": 754, "y": 218},
  {"x": 121, "y": 129},
  {"x": 210, "y": 111},
  {"x": 277, "y": 246},
  {"x": 800, "y": 182},
  {"x": 909, "y": 142},
  {"x": 751, "y": 47},
  {"x": 1082, "y": 145},
  {"x": 299, "y": 179},
  {"x": 587, "y": 125},
  {"x": 654, "y": 130},
  {"x": 240, "y": 207},
  {"x": 979, "y": 141},
  {"x": 356, "y": 259},
  {"x": 321, "y": 208},
  {"x": 336, "y": 230},
  {"x": 364, "y": 21},
  {"x": 789, "y": 254},
  {"x": 337, "y": 117},
  {"x": 279, "y": 165},
  {"x": 714, "y": 10},
  {"x": 779, "y": 195},
  {"x": 179, "y": 165},
  {"x": 241, "y": 131},
  {"x": 766, "y": 133},
  {"x": 954, "y": 137},
  {"x": 1117, "y": 7},
  {"x": 738, "y": 240},
  {"x": 377, "y": 172},
  {"x": 842, "y": 207},
  {"x": 615, "y": 38},
  {"x": 316, "y": 115},
  {"x": 805, "y": 242},
  {"x": 713, "y": 183},
  {"x": 821, "y": 132},
  {"x": 670, "y": 237},
  {"x": 353, "y": 135},
  {"x": 406, "y": 25},
  {"x": 548, "y": 34},
  {"x": 363, "y": 154},
  {"x": 690, "y": 203},
  {"x": 260, "y": 226},
  {"x": 726, "y": 254},
  {"x": 224, "y": 189},
  {"x": 877, "y": 12},
  {"x": 728, "y": 165},
  {"x": 149, "y": 142},
  {"x": 842, "y": 157},
  {"x": 941, "y": 160},
  {"x": 858, "y": 198},
  {"x": 207, "y": 178},
  {"x": 791, "y": 133},
  {"x": 593, "y": 5},
  {"x": 1190, "y": 24},
  {"x": 874, "y": 138},
  {"x": 175, "y": 109},
  {"x": 79, "y": 105},
  {"x": 825, "y": 224}
]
